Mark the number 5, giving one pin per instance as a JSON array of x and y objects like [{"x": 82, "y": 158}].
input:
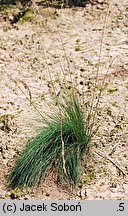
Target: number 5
[{"x": 121, "y": 207}]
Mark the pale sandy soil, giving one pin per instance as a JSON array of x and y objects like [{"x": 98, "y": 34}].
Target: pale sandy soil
[{"x": 22, "y": 59}]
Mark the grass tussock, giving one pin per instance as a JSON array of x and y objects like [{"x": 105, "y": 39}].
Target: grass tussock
[
  {"x": 46, "y": 152},
  {"x": 61, "y": 144}
]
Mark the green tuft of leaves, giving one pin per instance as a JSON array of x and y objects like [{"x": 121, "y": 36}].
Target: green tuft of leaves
[{"x": 43, "y": 154}]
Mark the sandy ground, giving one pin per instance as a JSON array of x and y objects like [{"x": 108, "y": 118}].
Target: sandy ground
[{"x": 32, "y": 48}]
